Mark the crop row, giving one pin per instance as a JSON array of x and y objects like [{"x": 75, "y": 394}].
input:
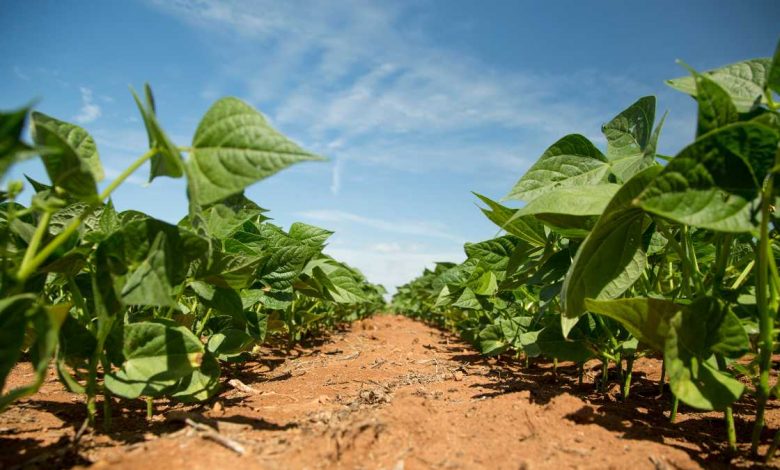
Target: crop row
[
  {"x": 628, "y": 252},
  {"x": 128, "y": 306}
]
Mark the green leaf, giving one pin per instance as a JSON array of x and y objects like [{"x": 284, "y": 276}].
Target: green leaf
[
  {"x": 44, "y": 325},
  {"x": 339, "y": 283},
  {"x": 713, "y": 182},
  {"x": 494, "y": 253},
  {"x": 628, "y": 133},
  {"x": 148, "y": 283},
  {"x": 571, "y": 211},
  {"x": 612, "y": 257},
  {"x": 773, "y": 82},
  {"x": 551, "y": 343},
  {"x": 200, "y": 385},
  {"x": 572, "y": 161},
  {"x": 527, "y": 228},
  {"x": 491, "y": 341},
  {"x": 71, "y": 158},
  {"x": 743, "y": 81},
  {"x": 13, "y": 320},
  {"x": 286, "y": 256},
  {"x": 630, "y": 144},
  {"x": 156, "y": 356},
  {"x": 233, "y": 147},
  {"x": 12, "y": 148},
  {"x": 309, "y": 235},
  {"x": 646, "y": 318},
  {"x": 716, "y": 109},
  {"x": 229, "y": 344},
  {"x": 705, "y": 327},
  {"x": 167, "y": 160},
  {"x": 468, "y": 300}
]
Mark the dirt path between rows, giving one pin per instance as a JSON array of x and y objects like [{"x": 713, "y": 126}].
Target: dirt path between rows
[{"x": 386, "y": 393}]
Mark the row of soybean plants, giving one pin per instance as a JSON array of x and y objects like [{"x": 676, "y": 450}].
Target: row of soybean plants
[
  {"x": 127, "y": 306},
  {"x": 627, "y": 252}
]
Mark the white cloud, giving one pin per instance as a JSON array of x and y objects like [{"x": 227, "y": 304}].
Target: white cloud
[
  {"x": 89, "y": 110},
  {"x": 394, "y": 265},
  {"x": 354, "y": 70}
]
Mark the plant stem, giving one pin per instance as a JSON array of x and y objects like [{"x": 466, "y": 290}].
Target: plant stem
[
  {"x": 675, "y": 404},
  {"x": 764, "y": 316},
  {"x": 662, "y": 382},
  {"x": 35, "y": 241},
  {"x": 202, "y": 325},
  {"x": 728, "y": 414},
  {"x": 627, "y": 376},
  {"x": 29, "y": 268},
  {"x": 149, "y": 408}
]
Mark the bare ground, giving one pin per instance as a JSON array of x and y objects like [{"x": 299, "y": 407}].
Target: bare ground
[{"x": 386, "y": 393}]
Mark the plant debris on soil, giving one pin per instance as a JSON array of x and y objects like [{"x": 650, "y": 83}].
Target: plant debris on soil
[{"x": 389, "y": 393}]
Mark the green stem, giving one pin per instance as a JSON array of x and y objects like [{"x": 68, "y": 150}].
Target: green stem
[
  {"x": 37, "y": 237},
  {"x": 202, "y": 325},
  {"x": 675, "y": 404},
  {"x": 126, "y": 174},
  {"x": 728, "y": 414},
  {"x": 106, "y": 397},
  {"x": 627, "y": 376},
  {"x": 149, "y": 408},
  {"x": 764, "y": 315},
  {"x": 28, "y": 269}
]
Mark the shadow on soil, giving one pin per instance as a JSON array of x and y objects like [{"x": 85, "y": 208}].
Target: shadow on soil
[{"x": 643, "y": 416}]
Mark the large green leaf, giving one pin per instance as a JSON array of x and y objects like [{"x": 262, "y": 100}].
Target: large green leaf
[
  {"x": 713, "y": 182},
  {"x": 612, "y": 257},
  {"x": 71, "y": 157},
  {"x": 572, "y": 161},
  {"x": 570, "y": 210},
  {"x": 743, "y": 81},
  {"x": 156, "y": 356},
  {"x": 286, "y": 256},
  {"x": 494, "y": 253},
  {"x": 338, "y": 281},
  {"x": 715, "y": 106},
  {"x": 646, "y": 318},
  {"x": 233, "y": 147},
  {"x": 527, "y": 228},
  {"x": 705, "y": 327},
  {"x": 167, "y": 160},
  {"x": 631, "y": 141}
]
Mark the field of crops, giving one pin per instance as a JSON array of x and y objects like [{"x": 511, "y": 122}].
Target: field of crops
[{"x": 625, "y": 270}]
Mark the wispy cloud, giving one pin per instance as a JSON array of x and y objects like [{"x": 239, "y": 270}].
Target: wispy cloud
[
  {"x": 355, "y": 71},
  {"x": 20, "y": 74},
  {"x": 89, "y": 109},
  {"x": 401, "y": 227}
]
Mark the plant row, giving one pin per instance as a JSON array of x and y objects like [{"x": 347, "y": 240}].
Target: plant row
[
  {"x": 627, "y": 252},
  {"x": 128, "y": 306}
]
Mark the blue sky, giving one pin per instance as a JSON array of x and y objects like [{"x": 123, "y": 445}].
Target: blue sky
[{"x": 416, "y": 103}]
